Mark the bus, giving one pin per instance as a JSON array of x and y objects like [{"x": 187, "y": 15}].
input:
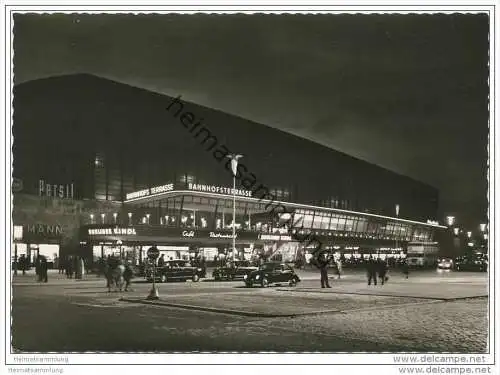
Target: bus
[{"x": 422, "y": 254}]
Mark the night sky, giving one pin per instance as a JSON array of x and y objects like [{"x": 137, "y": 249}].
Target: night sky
[{"x": 407, "y": 92}]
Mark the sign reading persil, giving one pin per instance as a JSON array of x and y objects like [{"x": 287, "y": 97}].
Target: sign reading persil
[
  {"x": 112, "y": 231},
  {"x": 219, "y": 190},
  {"x": 152, "y": 191},
  {"x": 66, "y": 191}
]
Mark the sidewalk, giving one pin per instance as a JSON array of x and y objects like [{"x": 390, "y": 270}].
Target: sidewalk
[{"x": 54, "y": 277}]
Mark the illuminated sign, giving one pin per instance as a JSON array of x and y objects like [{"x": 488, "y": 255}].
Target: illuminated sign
[
  {"x": 112, "y": 231},
  {"x": 188, "y": 233},
  {"x": 221, "y": 235},
  {"x": 153, "y": 190},
  {"x": 44, "y": 229},
  {"x": 55, "y": 190},
  {"x": 219, "y": 190},
  {"x": 274, "y": 237},
  {"x": 432, "y": 222}
]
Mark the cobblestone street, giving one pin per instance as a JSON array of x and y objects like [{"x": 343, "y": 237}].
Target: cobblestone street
[{"x": 431, "y": 313}]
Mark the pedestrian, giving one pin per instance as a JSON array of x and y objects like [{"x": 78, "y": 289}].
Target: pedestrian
[
  {"x": 161, "y": 261},
  {"x": 43, "y": 269},
  {"x": 382, "y": 270},
  {"x": 323, "y": 261},
  {"x": 339, "y": 267},
  {"x": 23, "y": 263},
  {"x": 37, "y": 269},
  {"x": 127, "y": 275},
  {"x": 406, "y": 269},
  {"x": 371, "y": 271}
]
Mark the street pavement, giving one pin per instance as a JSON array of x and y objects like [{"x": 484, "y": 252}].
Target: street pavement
[{"x": 430, "y": 311}]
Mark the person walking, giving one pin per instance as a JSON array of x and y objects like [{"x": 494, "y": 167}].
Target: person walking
[
  {"x": 323, "y": 261},
  {"x": 371, "y": 271},
  {"x": 43, "y": 269},
  {"x": 161, "y": 261},
  {"x": 339, "y": 267},
  {"x": 127, "y": 275},
  {"x": 382, "y": 270},
  {"x": 406, "y": 268}
]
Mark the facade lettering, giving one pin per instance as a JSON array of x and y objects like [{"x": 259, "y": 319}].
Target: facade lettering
[
  {"x": 55, "y": 190},
  {"x": 153, "y": 190},
  {"x": 219, "y": 190},
  {"x": 112, "y": 231},
  {"x": 188, "y": 233},
  {"x": 274, "y": 237},
  {"x": 222, "y": 235}
]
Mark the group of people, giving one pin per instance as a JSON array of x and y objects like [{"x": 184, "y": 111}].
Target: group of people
[
  {"x": 376, "y": 267},
  {"x": 118, "y": 273},
  {"x": 72, "y": 266},
  {"x": 41, "y": 269}
]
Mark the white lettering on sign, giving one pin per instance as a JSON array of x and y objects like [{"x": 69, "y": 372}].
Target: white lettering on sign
[
  {"x": 44, "y": 229},
  {"x": 221, "y": 235},
  {"x": 188, "y": 233},
  {"x": 432, "y": 222},
  {"x": 273, "y": 237},
  {"x": 219, "y": 190},
  {"x": 112, "y": 231},
  {"x": 55, "y": 190},
  {"x": 153, "y": 190}
]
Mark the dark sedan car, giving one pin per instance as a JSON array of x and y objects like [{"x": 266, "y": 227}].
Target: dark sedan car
[
  {"x": 234, "y": 271},
  {"x": 477, "y": 264},
  {"x": 272, "y": 273},
  {"x": 176, "y": 270}
]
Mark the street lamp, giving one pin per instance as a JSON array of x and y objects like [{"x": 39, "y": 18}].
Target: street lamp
[
  {"x": 115, "y": 215},
  {"x": 456, "y": 231},
  {"x": 397, "y": 216},
  {"x": 102, "y": 217},
  {"x": 91, "y": 218},
  {"x": 450, "y": 220},
  {"x": 147, "y": 218},
  {"x": 130, "y": 218},
  {"x": 234, "y": 164},
  {"x": 482, "y": 227},
  {"x": 469, "y": 234}
]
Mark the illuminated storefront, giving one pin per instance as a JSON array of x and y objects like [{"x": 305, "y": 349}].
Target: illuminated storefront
[{"x": 198, "y": 220}]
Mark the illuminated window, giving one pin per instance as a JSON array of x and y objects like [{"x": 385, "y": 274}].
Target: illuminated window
[{"x": 99, "y": 161}]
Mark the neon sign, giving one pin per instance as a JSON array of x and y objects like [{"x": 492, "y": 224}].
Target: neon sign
[
  {"x": 219, "y": 190},
  {"x": 153, "y": 190}
]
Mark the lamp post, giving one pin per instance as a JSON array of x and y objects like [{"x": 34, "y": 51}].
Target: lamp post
[
  {"x": 115, "y": 215},
  {"x": 102, "y": 217},
  {"x": 234, "y": 164},
  {"x": 91, "y": 218},
  {"x": 147, "y": 218},
  {"x": 397, "y": 216},
  {"x": 130, "y": 218}
]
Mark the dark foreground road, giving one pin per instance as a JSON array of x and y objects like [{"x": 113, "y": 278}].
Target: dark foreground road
[{"x": 431, "y": 312}]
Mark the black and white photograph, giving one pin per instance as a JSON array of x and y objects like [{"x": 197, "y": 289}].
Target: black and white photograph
[{"x": 250, "y": 182}]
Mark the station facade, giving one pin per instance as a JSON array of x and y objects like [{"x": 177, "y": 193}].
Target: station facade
[{"x": 116, "y": 170}]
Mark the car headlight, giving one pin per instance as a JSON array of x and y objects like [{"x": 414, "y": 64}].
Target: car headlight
[
  {"x": 245, "y": 277},
  {"x": 257, "y": 277}
]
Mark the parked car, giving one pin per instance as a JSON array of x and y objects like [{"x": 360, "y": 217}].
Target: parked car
[
  {"x": 233, "y": 271},
  {"x": 272, "y": 273},
  {"x": 445, "y": 264},
  {"x": 478, "y": 264},
  {"x": 176, "y": 270}
]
